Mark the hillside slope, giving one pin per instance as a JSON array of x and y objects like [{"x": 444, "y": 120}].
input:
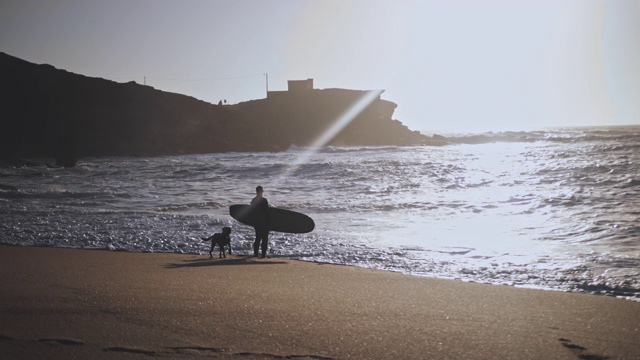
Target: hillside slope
[{"x": 48, "y": 112}]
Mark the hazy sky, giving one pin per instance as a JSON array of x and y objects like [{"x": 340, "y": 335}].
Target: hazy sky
[{"x": 450, "y": 65}]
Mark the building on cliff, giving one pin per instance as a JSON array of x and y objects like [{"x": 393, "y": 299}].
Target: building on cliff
[
  {"x": 294, "y": 87},
  {"x": 299, "y": 88}
]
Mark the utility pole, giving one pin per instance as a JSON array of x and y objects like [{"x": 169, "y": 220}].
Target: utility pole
[{"x": 266, "y": 75}]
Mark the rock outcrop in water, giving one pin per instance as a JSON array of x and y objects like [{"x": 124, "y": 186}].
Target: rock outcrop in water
[{"x": 55, "y": 113}]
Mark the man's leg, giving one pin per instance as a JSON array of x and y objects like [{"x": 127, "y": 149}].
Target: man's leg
[
  {"x": 256, "y": 243},
  {"x": 265, "y": 242}
]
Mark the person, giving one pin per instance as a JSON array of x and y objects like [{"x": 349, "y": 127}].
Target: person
[{"x": 260, "y": 207}]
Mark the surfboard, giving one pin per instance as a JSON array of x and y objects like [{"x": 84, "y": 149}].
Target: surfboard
[{"x": 282, "y": 220}]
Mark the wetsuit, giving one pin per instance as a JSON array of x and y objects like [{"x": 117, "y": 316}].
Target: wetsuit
[{"x": 261, "y": 207}]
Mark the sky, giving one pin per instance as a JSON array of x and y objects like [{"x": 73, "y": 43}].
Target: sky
[{"x": 450, "y": 65}]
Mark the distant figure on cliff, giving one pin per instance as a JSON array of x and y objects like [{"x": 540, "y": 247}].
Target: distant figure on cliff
[{"x": 261, "y": 208}]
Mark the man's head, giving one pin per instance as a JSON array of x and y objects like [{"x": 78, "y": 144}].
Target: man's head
[{"x": 259, "y": 190}]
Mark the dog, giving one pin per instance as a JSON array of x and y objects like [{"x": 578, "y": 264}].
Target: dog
[{"x": 221, "y": 239}]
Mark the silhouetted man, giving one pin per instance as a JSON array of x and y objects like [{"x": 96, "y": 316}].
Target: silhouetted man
[{"x": 261, "y": 209}]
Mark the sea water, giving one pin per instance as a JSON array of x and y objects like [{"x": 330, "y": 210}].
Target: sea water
[{"x": 554, "y": 209}]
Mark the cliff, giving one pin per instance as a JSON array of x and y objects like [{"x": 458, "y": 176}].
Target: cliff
[{"x": 52, "y": 112}]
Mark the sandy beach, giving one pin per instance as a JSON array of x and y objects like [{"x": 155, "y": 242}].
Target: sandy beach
[{"x": 66, "y": 303}]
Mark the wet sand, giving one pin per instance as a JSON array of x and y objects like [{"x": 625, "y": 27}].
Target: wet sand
[{"x": 68, "y": 303}]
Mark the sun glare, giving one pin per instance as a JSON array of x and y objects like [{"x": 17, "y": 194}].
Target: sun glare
[{"x": 340, "y": 123}]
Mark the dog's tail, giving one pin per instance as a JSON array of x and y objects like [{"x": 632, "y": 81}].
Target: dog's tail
[{"x": 205, "y": 239}]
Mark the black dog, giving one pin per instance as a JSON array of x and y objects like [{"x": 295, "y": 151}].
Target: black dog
[{"x": 221, "y": 239}]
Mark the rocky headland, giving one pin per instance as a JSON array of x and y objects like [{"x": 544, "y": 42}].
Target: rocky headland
[{"x": 48, "y": 112}]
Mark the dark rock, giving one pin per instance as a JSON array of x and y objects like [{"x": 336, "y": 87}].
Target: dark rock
[
  {"x": 11, "y": 161},
  {"x": 65, "y": 152}
]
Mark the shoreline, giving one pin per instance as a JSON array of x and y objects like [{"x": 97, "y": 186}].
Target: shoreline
[
  {"x": 593, "y": 292},
  {"x": 60, "y": 303}
]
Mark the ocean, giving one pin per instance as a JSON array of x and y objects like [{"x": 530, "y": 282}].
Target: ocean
[{"x": 555, "y": 209}]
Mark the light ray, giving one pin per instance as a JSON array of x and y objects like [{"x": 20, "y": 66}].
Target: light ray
[{"x": 340, "y": 123}]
